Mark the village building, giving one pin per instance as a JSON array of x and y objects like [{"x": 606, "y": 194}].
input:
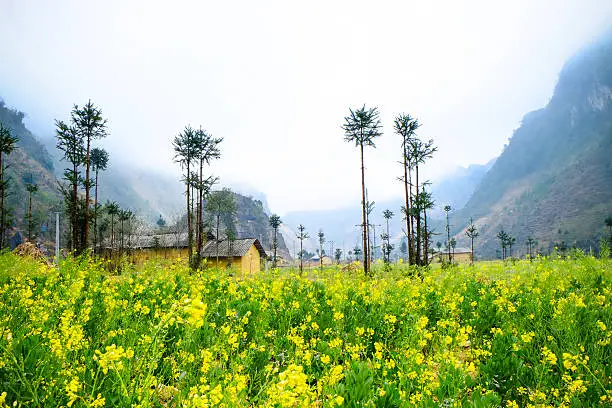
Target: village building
[
  {"x": 140, "y": 248},
  {"x": 459, "y": 255},
  {"x": 316, "y": 261},
  {"x": 245, "y": 255}
]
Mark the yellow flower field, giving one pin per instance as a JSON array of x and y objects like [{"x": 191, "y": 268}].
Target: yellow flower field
[{"x": 533, "y": 334}]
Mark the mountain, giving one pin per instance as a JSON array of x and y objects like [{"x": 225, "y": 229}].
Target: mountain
[
  {"x": 553, "y": 180},
  {"x": 457, "y": 188},
  {"x": 30, "y": 162}
]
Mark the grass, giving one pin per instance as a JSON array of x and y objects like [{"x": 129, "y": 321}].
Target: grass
[{"x": 523, "y": 334}]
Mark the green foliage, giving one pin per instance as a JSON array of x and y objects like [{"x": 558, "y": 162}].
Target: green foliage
[
  {"x": 361, "y": 127},
  {"x": 604, "y": 249},
  {"x": 195, "y": 148},
  {"x": 275, "y": 222},
  {"x": 8, "y": 143},
  {"x": 99, "y": 159},
  {"x": 221, "y": 205}
]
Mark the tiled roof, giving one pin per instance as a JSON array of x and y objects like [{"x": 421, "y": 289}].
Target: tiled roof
[
  {"x": 239, "y": 247},
  {"x": 163, "y": 240}
]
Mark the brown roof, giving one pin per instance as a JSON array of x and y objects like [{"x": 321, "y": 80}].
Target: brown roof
[
  {"x": 239, "y": 247},
  {"x": 134, "y": 241}
]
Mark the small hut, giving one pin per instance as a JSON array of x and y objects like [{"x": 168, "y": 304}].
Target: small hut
[
  {"x": 245, "y": 254},
  {"x": 147, "y": 246},
  {"x": 459, "y": 255}
]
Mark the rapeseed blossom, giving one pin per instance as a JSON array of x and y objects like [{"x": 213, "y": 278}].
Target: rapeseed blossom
[{"x": 162, "y": 336}]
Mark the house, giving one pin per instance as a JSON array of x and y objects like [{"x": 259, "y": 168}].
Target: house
[
  {"x": 459, "y": 255},
  {"x": 245, "y": 255},
  {"x": 168, "y": 245},
  {"x": 143, "y": 247},
  {"x": 316, "y": 261}
]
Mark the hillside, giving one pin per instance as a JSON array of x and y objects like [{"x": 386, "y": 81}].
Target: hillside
[
  {"x": 554, "y": 179},
  {"x": 30, "y": 162}
]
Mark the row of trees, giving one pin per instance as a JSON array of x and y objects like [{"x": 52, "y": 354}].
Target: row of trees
[
  {"x": 361, "y": 127},
  {"x": 75, "y": 140},
  {"x": 194, "y": 149}
]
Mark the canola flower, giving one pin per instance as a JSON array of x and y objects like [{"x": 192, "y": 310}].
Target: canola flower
[{"x": 529, "y": 334}]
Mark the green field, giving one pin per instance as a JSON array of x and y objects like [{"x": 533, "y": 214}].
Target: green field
[{"x": 512, "y": 335}]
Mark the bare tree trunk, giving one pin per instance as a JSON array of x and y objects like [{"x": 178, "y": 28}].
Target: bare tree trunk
[
  {"x": 321, "y": 260},
  {"x": 189, "y": 224},
  {"x": 419, "y": 261},
  {"x": 408, "y": 230},
  {"x": 200, "y": 212},
  {"x": 366, "y": 265},
  {"x": 87, "y": 196},
  {"x": 275, "y": 245},
  {"x": 1, "y": 203},
  {"x": 75, "y": 211},
  {"x": 218, "y": 215},
  {"x": 472, "y": 247},
  {"x": 96, "y": 215},
  {"x": 369, "y": 249},
  {"x": 425, "y": 240},
  {"x": 448, "y": 238},
  {"x": 387, "y": 254},
  {"x": 411, "y": 236},
  {"x": 301, "y": 256},
  {"x": 112, "y": 233},
  {"x": 193, "y": 226}
]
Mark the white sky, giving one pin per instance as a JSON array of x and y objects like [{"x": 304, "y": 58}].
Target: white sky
[{"x": 276, "y": 78}]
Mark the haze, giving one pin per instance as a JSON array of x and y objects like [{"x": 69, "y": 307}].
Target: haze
[{"x": 276, "y": 79}]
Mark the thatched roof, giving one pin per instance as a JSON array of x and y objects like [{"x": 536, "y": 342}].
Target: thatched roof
[{"x": 239, "y": 247}]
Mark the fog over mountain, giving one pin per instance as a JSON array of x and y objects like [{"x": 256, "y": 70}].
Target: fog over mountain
[
  {"x": 553, "y": 182},
  {"x": 276, "y": 79}
]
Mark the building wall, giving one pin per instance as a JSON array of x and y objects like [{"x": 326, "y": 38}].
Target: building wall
[
  {"x": 251, "y": 261},
  {"x": 460, "y": 257},
  {"x": 247, "y": 264},
  {"x": 212, "y": 262},
  {"x": 139, "y": 256}
]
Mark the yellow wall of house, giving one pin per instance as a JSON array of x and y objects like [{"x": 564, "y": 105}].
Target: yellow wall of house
[
  {"x": 142, "y": 255},
  {"x": 139, "y": 256},
  {"x": 212, "y": 262},
  {"x": 463, "y": 257},
  {"x": 251, "y": 261},
  {"x": 247, "y": 264}
]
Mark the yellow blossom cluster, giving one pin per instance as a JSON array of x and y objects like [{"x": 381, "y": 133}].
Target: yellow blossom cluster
[{"x": 530, "y": 334}]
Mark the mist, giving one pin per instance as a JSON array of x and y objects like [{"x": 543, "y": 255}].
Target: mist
[{"x": 275, "y": 80}]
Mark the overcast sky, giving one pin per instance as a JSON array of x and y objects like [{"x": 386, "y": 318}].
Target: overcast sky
[{"x": 276, "y": 78}]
